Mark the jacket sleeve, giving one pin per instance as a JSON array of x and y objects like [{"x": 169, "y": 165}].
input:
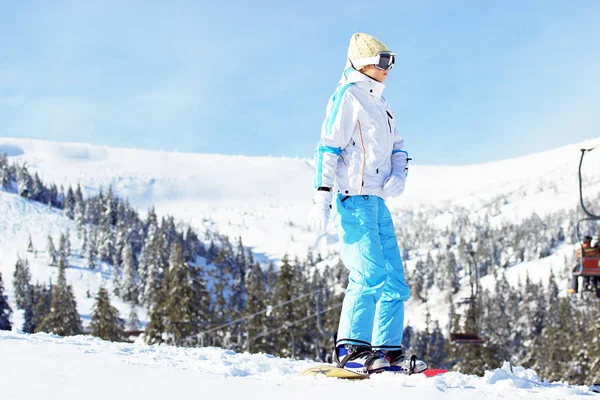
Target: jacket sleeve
[
  {"x": 399, "y": 155},
  {"x": 336, "y": 133}
]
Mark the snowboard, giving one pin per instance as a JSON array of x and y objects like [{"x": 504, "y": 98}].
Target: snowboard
[{"x": 341, "y": 373}]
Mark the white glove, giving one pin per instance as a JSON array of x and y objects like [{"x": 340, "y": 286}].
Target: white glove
[
  {"x": 319, "y": 213},
  {"x": 394, "y": 185}
]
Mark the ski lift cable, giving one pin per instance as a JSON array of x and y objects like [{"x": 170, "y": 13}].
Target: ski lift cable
[
  {"x": 247, "y": 317},
  {"x": 288, "y": 324},
  {"x": 590, "y": 215},
  {"x": 533, "y": 181}
]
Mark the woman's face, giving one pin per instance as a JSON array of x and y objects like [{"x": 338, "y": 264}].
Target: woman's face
[{"x": 375, "y": 73}]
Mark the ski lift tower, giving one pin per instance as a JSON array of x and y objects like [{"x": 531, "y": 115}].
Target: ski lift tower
[
  {"x": 471, "y": 337},
  {"x": 588, "y": 266}
]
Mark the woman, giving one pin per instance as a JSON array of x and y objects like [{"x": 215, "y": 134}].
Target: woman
[{"x": 361, "y": 152}]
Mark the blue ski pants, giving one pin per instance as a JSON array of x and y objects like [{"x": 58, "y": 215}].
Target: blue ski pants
[{"x": 373, "y": 308}]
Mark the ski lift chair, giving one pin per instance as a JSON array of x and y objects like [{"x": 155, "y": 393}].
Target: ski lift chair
[
  {"x": 470, "y": 337},
  {"x": 589, "y": 267},
  {"x": 466, "y": 338}
]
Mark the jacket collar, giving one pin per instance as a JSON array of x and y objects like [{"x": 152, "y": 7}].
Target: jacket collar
[{"x": 370, "y": 85}]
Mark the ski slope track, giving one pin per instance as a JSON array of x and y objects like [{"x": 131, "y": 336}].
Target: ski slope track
[{"x": 83, "y": 367}]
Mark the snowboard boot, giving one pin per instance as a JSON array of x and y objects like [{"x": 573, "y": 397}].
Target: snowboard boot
[
  {"x": 359, "y": 358},
  {"x": 399, "y": 363}
]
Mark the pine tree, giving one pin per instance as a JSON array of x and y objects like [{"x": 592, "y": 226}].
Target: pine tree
[
  {"x": 51, "y": 251},
  {"x": 105, "y": 321},
  {"x": 221, "y": 278},
  {"x": 192, "y": 245},
  {"x": 451, "y": 281},
  {"x": 534, "y": 304},
  {"x": 79, "y": 213},
  {"x": 305, "y": 339},
  {"x": 595, "y": 347},
  {"x": 239, "y": 280},
  {"x": 552, "y": 300},
  {"x": 5, "y": 310},
  {"x": 285, "y": 314},
  {"x": 69, "y": 204},
  {"x": 417, "y": 283},
  {"x": 22, "y": 282},
  {"x": 4, "y": 172},
  {"x": 133, "y": 322},
  {"x": 42, "y": 307},
  {"x": 128, "y": 290},
  {"x": 182, "y": 314},
  {"x": 30, "y": 247},
  {"x": 237, "y": 299},
  {"x": 497, "y": 323},
  {"x": 117, "y": 279},
  {"x": 256, "y": 303},
  {"x": 438, "y": 352},
  {"x": 67, "y": 247},
  {"x": 34, "y": 293},
  {"x": 154, "y": 269},
  {"x": 62, "y": 246},
  {"x": 63, "y": 318},
  {"x": 91, "y": 252},
  {"x": 24, "y": 183},
  {"x": 157, "y": 323},
  {"x": 105, "y": 241},
  {"x": 201, "y": 297}
]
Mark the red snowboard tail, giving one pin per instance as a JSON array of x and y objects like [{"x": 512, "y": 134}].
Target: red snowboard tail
[{"x": 434, "y": 372}]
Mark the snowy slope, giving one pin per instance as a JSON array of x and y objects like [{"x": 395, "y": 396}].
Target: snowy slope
[
  {"x": 45, "y": 366},
  {"x": 538, "y": 271},
  {"x": 266, "y": 200},
  {"x": 18, "y": 219}
]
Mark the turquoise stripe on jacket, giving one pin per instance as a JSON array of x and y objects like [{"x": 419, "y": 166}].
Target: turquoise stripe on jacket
[
  {"x": 319, "y": 161},
  {"x": 336, "y": 102}
]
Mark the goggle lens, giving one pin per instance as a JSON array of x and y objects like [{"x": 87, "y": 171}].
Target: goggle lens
[{"x": 386, "y": 61}]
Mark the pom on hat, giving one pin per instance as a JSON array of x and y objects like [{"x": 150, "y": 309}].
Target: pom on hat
[{"x": 363, "y": 46}]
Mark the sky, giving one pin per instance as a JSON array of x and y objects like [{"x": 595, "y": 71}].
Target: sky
[{"x": 475, "y": 81}]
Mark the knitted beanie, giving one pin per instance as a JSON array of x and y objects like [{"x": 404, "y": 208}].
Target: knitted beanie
[{"x": 363, "y": 46}]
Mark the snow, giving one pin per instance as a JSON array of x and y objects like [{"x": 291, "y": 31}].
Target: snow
[
  {"x": 52, "y": 367},
  {"x": 266, "y": 201},
  {"x": 18, "y": 219}
]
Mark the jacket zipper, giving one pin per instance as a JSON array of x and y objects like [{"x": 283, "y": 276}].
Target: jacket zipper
[
  {"x": 389, "y": 117},
  {"x": 362, "y": 174}
]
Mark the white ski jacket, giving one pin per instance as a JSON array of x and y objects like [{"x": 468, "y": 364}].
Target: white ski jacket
[{"x": 359, "y": 146}]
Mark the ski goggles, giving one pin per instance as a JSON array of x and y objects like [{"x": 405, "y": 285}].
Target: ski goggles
[{"x": 384, "y": 60}]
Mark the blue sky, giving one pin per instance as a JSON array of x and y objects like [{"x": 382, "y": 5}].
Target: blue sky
[{"x": 475, "y": 80}]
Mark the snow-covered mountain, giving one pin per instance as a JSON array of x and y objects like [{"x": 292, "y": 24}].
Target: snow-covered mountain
[
  {"x": 266, "y": 200},
  {"x": 47, "y": 366}
]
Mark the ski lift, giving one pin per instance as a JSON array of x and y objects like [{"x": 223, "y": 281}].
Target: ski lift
[
  {"x": 589, "y": 267},
  {"x": 471, "y": 337},
  {"x": 466, "y": 338}
]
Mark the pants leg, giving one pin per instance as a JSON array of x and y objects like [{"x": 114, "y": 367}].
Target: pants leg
[
  {"x": 389, "y": 316},
  {"x": 575, "y": 283},
  {"x": 357, "y": 223}
]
